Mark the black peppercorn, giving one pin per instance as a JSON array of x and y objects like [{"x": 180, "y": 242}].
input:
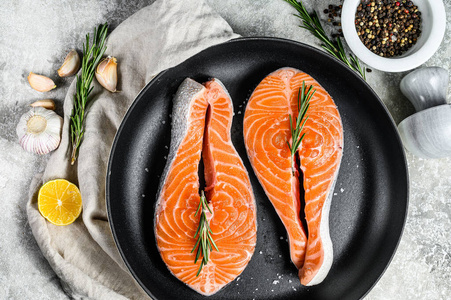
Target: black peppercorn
[{"x": 387, "y": 27}]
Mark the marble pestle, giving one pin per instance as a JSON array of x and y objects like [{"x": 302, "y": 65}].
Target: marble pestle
[{"x": 426, "y": 87}]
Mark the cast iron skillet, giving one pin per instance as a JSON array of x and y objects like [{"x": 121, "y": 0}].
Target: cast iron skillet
[{"x": 371, "y": 195}]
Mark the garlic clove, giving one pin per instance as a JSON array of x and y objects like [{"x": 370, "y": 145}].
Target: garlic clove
[
  {"x": 47, "y": 103},
  {"x": 40, "y": 83},
  {"x": 39, "y": 130},
  {"x": 106, "y": 73},
  {"x": 70, "y": 65}
]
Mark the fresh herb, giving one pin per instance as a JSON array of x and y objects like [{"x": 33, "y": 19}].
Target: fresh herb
[
  {"x": 204, "y": 242},
  {"x": 335, "y": 48},
  {"x": 303, "y": 105},
  {"x": 91, "y": 57}
]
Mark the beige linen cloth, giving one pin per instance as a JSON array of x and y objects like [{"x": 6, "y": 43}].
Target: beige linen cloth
[{"x": 83, "y": 254}]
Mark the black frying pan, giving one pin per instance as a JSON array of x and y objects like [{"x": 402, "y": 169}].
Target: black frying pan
[{"x": 368, "y": 211}]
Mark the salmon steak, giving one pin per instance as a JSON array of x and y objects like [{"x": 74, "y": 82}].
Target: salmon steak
[
  {"x": 201, "y": 122},
  {"x": 268, "y": 136}
]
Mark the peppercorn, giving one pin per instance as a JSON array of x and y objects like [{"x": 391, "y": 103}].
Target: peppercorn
[{"x": 387, "y": 27}]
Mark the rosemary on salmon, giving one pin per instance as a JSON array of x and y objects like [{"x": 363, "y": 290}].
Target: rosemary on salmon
[
  {"x": 303, "y": 105},
  {"x": 204, "y": 242}
]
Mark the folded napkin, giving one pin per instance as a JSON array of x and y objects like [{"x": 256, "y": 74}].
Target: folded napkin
[{"x": 155, "y": 38}]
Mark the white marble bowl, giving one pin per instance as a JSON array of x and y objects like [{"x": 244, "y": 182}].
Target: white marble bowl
[{"x": 433, "y": 29}]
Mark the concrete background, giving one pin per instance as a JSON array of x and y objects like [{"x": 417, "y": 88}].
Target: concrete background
[{"x": 36, "y": 35}]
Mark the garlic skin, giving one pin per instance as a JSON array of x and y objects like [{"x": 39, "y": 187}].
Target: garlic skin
[
  {"x": 39, "y": 130},
  {"x": 46, "y": 103},
  {"x": 70, "y": 65},
  {"x": 40, "y": 83},
  {"x": 106, "y": 73}
]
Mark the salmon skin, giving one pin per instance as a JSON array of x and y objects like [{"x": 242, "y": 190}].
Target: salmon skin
[
  {"x": 266, "y": 133},
  {"x": 201, "y": 122}
]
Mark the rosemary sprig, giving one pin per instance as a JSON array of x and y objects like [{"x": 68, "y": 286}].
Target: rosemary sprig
[
  {"x": 203, "y": 233},
  {"x": 303, "y": 105},
  {"x": 335, "y": 48},
  {"x": 91, "y": 58}
]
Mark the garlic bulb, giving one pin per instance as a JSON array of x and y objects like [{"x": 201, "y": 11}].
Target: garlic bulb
[
  {"x": 106, "y": 73},
  {"x": 40, "y": 83},
  {"x": 39, "y": 130},
  {"x": 70, "y": 65}
]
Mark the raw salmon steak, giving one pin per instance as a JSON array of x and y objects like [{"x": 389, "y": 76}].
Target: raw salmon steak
[
  {"x": 266, "y": 133},
  {"x": 202, "y": 119}
]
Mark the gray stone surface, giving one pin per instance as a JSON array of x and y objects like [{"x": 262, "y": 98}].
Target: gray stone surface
[{"x": 36, "y": 35}]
